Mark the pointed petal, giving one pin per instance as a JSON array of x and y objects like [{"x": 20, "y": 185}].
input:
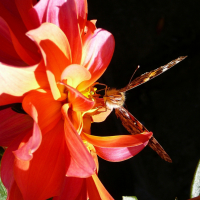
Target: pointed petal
[
  {"x": 27, "y": 148},
  {"x": 97, "y": 53},
  {"x": 23, "y": 9},
  {"x": 75, "y": 74},
  {"x": 69, "y": 24},
  {"x": 7, "y": 163},
  {"x": 71, "y": 189},
  {"x": 119, "y": 140},
  {"x": 82, "y": 11},
  {"x": 27, "y": 50},
  {"x": 16, "y": 81},
  {"x": 96, "y": 190},
  {"x": 79, "y": 102},
  {"x": 8, "y": 54},
  {"x": 41, "y": 106},
  {"x": 118, "y": 148},
  {"x": 43, "y": 176},
  {"x": 55, "y": 50},
  {"x": 13, "y": 124},
  {"x": 82, "y": 164}
]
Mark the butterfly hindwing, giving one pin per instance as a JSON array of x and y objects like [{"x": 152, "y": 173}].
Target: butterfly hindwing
[{"x": 133, "y": 126}]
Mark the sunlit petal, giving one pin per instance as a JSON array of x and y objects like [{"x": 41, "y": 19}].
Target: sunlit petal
[
  {"x": 83, "y": 162},
  {"x": 29, "y": 144},
  {"x": 97, "y": 53},
  {"x": 41, "y": 106},
  {"x": 36, "y": 178},
  {"x": 16, "y": 81},
  {"x": 55, "y": 50}
]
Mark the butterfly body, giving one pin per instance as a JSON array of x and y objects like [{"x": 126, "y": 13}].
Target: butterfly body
[{"x": 114, "y": 99}]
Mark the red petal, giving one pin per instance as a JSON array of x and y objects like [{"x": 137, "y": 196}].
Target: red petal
[
  {"x": 27, "y": 148},
  {"x": 71, "y": 188},
  {"x": 41, "y": 106},
  {"x": 27, "y": 50},
  {"x": 7, "y": 163},
  {"x": 97, "y": 53},
  {"x": 8, "y": 54},
  {"x": 69, "y": 24},
  {"x": 79, "y": 102},
  {"x": 43, "y": 176},
  {"x": 16, "y": 81},
  {"x": 55, "y": 50},
  {"x": 13, "y": 124},
  {"x": 96, "y": 190},
  {"x": 23, "y": 9},
  {"x": 82, "y": 163}
]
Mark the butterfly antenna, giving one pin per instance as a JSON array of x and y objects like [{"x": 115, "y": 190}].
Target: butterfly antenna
[{"x": 133, "y": 74}]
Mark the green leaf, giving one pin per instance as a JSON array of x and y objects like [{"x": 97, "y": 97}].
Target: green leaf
[
  {"x": 195, "y": 187},
  {"x": 3, "y": 193},
  {"x": 129, "y": 198}
]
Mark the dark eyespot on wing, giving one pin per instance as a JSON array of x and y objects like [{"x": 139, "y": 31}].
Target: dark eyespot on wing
[{"x": 152, "y": 74}]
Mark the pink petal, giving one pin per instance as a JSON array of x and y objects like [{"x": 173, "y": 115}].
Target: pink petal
[
  {"x": 82, "y": 163},
  {"x": 79, "y": 102},
  {"x": 71, "y": 188},
  {"x": 97, "y": 53},
  {"x": 120, "y": 153},
  {"x": 27, "y": 148},
  {"x": 41, "y": 106},
  {"x": 16, "y": 81},
  {"x": 118, "y": 141},
  {"x": 75, "y": 74},
  {"x": 43, "y": 176},
  {"x": 55, "y": 50},
  {"x": 13, "y": 124},
  {"x": 68, "y": 22},
  {"x": 82, "y": 11}
]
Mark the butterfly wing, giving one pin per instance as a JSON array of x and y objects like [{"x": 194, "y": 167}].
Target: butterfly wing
[
  {"x": 133, "y": 126},
  {"x": 152, "y": 74}
]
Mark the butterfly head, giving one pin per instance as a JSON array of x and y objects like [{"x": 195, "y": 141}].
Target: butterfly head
[{"x": 114, "y": 99}]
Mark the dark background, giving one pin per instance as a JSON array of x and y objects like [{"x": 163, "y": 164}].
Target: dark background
[{"x": 152, "y": 33}]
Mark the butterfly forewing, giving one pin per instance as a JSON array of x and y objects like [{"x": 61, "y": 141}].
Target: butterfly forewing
[
  {"x": 133, "y": 126},
  {"x": 152, "y": 74}
]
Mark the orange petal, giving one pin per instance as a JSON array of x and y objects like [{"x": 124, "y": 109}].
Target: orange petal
[
  {"x": 71, "y": 188},
  {"x": 16, "y": 81},
  {"x": 82, "y": 164},
  {"x": 41, "y": 106},
  {"x": 97, "y": 53},
  {"x": 55, "y": 50},
  {"x": 75, "y": 74},
  {"x": 79, "y": 102},
  {"x": 100, "y": 117},
  {"x": 13, "y": 124},
  {"x": 119, "y": 140},
  {"x": 96, "y": 190},
  {"x": 30, "y": 144},
  {"x": 36, "y": 178}
]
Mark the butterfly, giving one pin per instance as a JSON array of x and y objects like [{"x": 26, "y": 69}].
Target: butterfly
[{"x": 115, "y": 99}]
